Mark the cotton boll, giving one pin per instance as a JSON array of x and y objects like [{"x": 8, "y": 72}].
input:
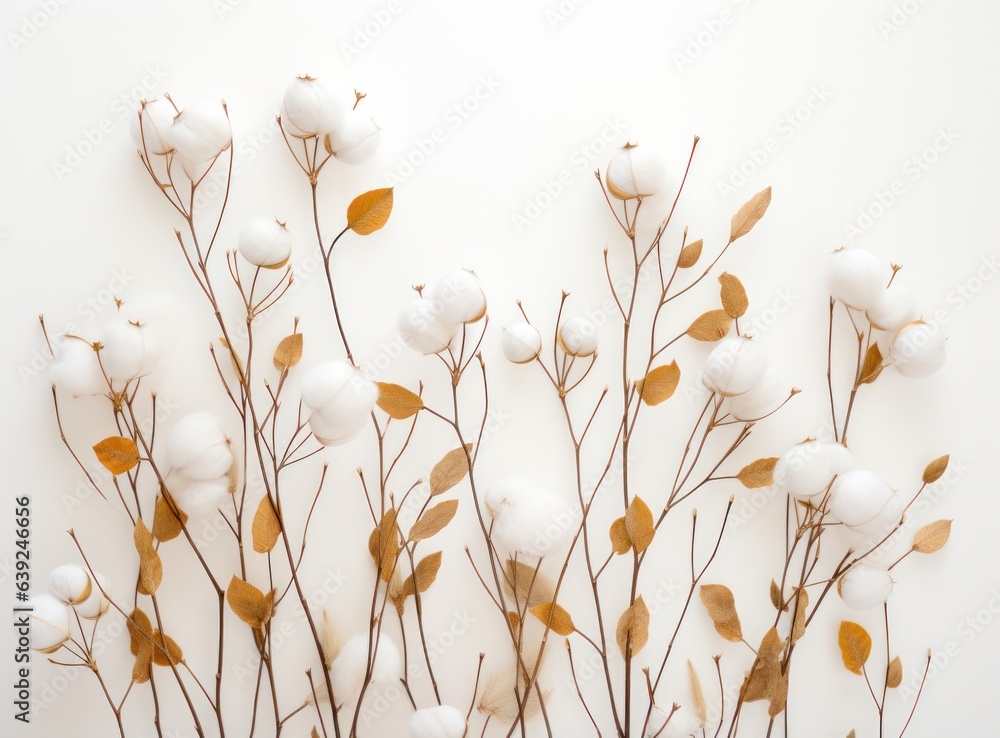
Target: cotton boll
[
  {"x": 49, "y": 623},
  {"x": 458, "y": 297},
  {"x": 312, "y": 107},
  {"x": 443, "y": 721},
  {"x": 578, "y": 337},
  {"x": 760, "y": 400},
  {"x": 265, "y": 242},
  {"x": 130, "y": 350},
  {"x": 521, "y": 343},
  {"x": 858, "y": 497},
  {"x": 527, "y": 518},
  {"x": 76, "y": 369},
  {"x": 200, "y": 497},
  {"x": 864, "y": 586},
  {"x": 635, "y": 171},
  {"x": 735, "y": 366},
  {"x": 198, "y": 135},
  {"x": 349, "y": 668},
  {"x": 806, "y": 470},
  {"x": 198, "y": 446},
  {"x": 151, "y": 126},
  {"x": 96, "y": 604},
  {"x": 918, "y": 349},
  {"x": 856, "y": 277},
  {"x": 423, "y": 329},
  {"x": 894, "y": 307},
  {"x": 355, "y": 139},
  {"x": 70, "y": 583},
  {"x": 341, "y": 399},
  {"x": 884, "y": 520}
]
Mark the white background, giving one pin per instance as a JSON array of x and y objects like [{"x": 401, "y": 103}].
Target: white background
[{"x": 883, "y": 80}]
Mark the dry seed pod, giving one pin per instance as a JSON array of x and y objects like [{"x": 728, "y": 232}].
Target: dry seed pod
[
  {"x": 265, "y": 242},
  {"x": 578, "y": 337},
  {"x": 806, "y": 470},
  {"x": 521, "y": 343},
  {"x": 341, "y": 398},
  {"x": 49, "y": 623},
  {"x": 155, "y": 118},
  {"x": 355, "y": 139},
  {"x": 918, "y": 349},
  {"x": 735, "y": 366},
  {"x": 312, "y": 107},
  {"x": 635, "y": 171}
]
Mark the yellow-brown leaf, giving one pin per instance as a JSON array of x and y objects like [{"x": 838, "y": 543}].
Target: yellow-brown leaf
[
  {"x": 855, "y": 646},
  {"x": 150, "y": 566},
  {"x": 633, "y": 628},
  {"x": 710, "y": 326},
  {"x": 526, "y": 584},
  {"x": 140, "y": 633},
  {"x": 932, "y": 537},
  {"x": 639, "y": 524},
  {"x": 659, "y": 384},
  {"x": 620, "y": 542},
  {"x": 799, "y": 622},
  {"x": 690, "y": 254},
  {"x": 748, "y": 215},
  {"x": 168, "y": 519},
  {"x": 251, "y": 605},
  {"x": 936, "y": 469},
  {"x": 434, "y": 520},
  {"x": 117, "y": 454},
  {"x": 266, "y": 526},
  {"x": 367, "y": 213},
  {"x": 451, "y": 470},
  {"x": 399, "y": 402},
  {"x": 734, "y": 296},
  {"x": 556, "y": 616},
  {"x": 288, "y": 353},
  {"x": 759, "y": 473},
  {"x": 872, "y": 365},
  {"x": 776, "y": 597},
  {"x": 166, "y": 651},
  {"x": 383, "y": 545},
  {"x": 721, "y": 605},
  {"x": 425, "y": 573},
  {"x": 894, "y": 674}
]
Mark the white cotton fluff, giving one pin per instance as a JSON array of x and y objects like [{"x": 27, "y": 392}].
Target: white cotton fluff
[
  {"x": 527, "y": 518},
  {"x": 200, "y": 498},
  {"x": 199, "y": 448},
  {"x": 806, "y": 470},
  {"x": 49, "y": 623},
  {"x": 96, "y": 604},
  {"x": 760, "y": 400},
  {"x": 312, "y": 107},
  {"x": 894, "y": 307},
  {"x": 578, "y": 336},
  {"x": 458, "y": 296},
  {"x": 265, "y": 242},
  {"x": 341, "y": 399},
  {"x": 864, "y": 586},
  {"x": 635, "y": 171},
  {"x": 151, "y": 126},
  {"x": 856, "y": 277},
  {"x": 521, "y": 343},
  {"x": 76, "y": 369},
  {"x": 348, "y": 670},
  {"x": 862, "y": 501},
  {"x": 355, "y": 139},
  {"x": 442, "y": 721},
  {"x": 130, "y": 350},
  {"x": 70, "y": 583},
  {"x": 423, "y": 329},
  {"x": 198, "y": 135},
  {"x": 735, "y": 366},
  {"x": 918, "y": 349}
]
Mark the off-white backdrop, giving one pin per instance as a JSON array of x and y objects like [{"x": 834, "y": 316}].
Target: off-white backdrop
[{"x": 875, "y": 123}]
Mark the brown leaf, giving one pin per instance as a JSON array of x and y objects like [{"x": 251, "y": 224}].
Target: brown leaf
[
  {"x": 894, "y": 674},
  {"x": 932, "y": 537},
  {"x": 776, "y": 597},
  {"x": 799, "y": 622},
  {"x": 639, "y": 524},
  {"x": 140, "y": 632},
  {"x": 690, "y": 254},
  {"x": 166, "y": 651},
  {"x": 698, "y": 697},
  {"x": 117, "y": 454},
  {"x": 251, "y": 605},
  {"x": 620, "y": 542},
  {"x": 399, "y": 402},
  {"x": 288, "y": 353},
  {"x": 526, "y": 585},
  {"x": 367, "y": 213},
  {"x": 759, "y": 473},
  {"x": 558, "y": 619},
  {"x": 852, "y": 734},
  {"x": 451, "y": 470},
  {"x": 314, "y": 733},
  {"x": 748, "y": 215},
  {"x": 659, "y": 385},
  {"x": 235, "y": 360},
  {"x": 424, "y": 574},
  {"x": 710, "y": 326},
  {"x": 936, "y": 469},
  {"x": 266, "y": 526},
  {"x": 514, "y": 619},
  {"x": 734, "y": 296},
  {"x": 764, "y": 680},
  {"x": 718, "y": 600},
  {"x": 383, "y": 545},
  {"x": 872, "y": 365},
  {"x": 855, "y": 646},
  {"x": 433, "y": 520},
  {"x": 633, "y": 628},
  {"x": 168, "y": 519},
  {"x": 397, "y": 593},
  {"x": 150, "y": 566}
]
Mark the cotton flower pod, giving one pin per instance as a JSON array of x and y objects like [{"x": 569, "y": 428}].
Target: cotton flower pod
[
  {"x": 423, "y": 329},
  {"x": 355, "y": 139},
  {"x": 198, "y": 135},
  {"x": 442, "y": 721},
  {"x": 862, "y": 501},
  {"x": 458, "y": 297},
  {"x": 735, "y": 366},
  {"x": 527, "y": 518},
  {"x": 348, "y": 670},
  {"x": 918, "y": 349},
  {"x": 265, "y": 242},
  {"x": 341, "y": 399},
  {"x": 201, "y": 498},
  {"x": 635, "y": 171},
  {"x": 151, "y": 126},
  {"x": 96, "y": 603},
  {"x": 893, "y": 308},
  {"x": 129, "y": 350},
  {"x": 76, "y": 369},
  {"x": 49, "y": 623},
  {"x": 312, "y": 107},
  {"x": 199, "y": 447},
  {"x": 856, "y": 277},
  {"x": 521, "y": 343},
  {"x": 578, "y": 337},
  {"x": 806, "y": 470},
  {"x": 864, "y": 586},
  {"x": 70, "y": 583},
  {"x": 760, "y": 400}
]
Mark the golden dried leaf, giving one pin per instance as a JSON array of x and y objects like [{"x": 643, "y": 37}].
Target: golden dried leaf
[
  {"x": 639, "y": 524},
  {"x": 526, "y": 584},
  {"x": 932, "y": 537},
  {"x": 620, "y": 542},
  {"x": 514, "y": 619},
  {"x": 329, "y": 640},
  {"x": 150, "y": 566},
  {"x": 690, "y": 254},
  {"x": 235, "y": 360},
  {"x": 142, "y": 666},
  {"x": 383, "y": 545},
  {"x": 734, "y": 295},
  {"x": 764, "y": 680},
  {"x": 718, "y": 600},
  {"x": 314, "y": 733},
  {"x": 759, "y": 473},
  {"x": 266, "y": 526},
  {"x": 140, "y": 632},
  {"x": 166, "y": 651},
  {"x": 799, "y": 622},
  {"x": 397, "y": 593},
  {"x": 698, "y": 697},
  {"x": 710, "y": 326},
  {"x": 399, "y": 402},
  {"x": 558, "y": 619},
  {"x": 872, "y": 365},
  {"x": 748, "y": 215},
  {"x": 633, "y": 628},
  {"x": 451, "y": 470},
  {"x": 367, "y": 213},
  {"x": 424, "y": 574},
  {"x": 433, "y": 520},
  {"x": 894, "y": 674},
  {"x": 289, "y": 352},
  {"x": 251, "y": 605},
  {"x": 117, "y": 454},
  {"x": 855, "y": 646},
  {"x": 659, "y": 385},
  {"x": 852, "y": 734},
  {"x": 936, "y": 469},
  {"x": 168, "y": 519},
  {"x": 776, "y": 597}
]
